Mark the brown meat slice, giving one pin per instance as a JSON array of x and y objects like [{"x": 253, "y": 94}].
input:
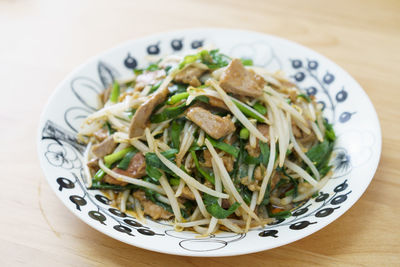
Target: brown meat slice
[
  {"x": 207, "y": 159},
  {"x": 214, "y": 125},
  {"x": 216, "y": 102},
  {"x": 104, "y": 148},
  {"x": 153, "y": 210},
  {"x": 189, "y": 75},
  {"x": 93, "y": 165},
  {"x": 143, "y": 113},
  {"x": 187, "y": 194},
  {"x": 228, "y": 161},
  {"x": 236, "y": 79},
  {"x": 111, "y": 180},
  {"x": 148, "y": 78},
  {"x": 136, "y": 167},
  {"x": 258, "y": 173}
]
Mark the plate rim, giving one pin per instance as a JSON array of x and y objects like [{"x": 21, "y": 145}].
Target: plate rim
[{"x": 248, "y": 250}]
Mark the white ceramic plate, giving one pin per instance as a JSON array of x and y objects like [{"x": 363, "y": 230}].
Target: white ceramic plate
[{"x": 346, "y": 105}]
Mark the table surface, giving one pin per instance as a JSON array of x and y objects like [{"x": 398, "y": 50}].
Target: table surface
[{"x": 42, "y": 41}]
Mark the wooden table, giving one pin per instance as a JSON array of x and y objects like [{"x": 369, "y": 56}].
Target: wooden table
[{"x": 42, "y": 41}]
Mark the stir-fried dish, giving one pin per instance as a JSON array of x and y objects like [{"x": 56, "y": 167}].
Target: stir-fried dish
[{"x": 207, "y": 142}]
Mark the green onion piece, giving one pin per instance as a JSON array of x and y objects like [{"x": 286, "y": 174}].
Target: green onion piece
[
  {"x": 244, "y": 133},
  {"x": 99, "y": 175},
  {"x": 177, "y": 98},
  {"x": 110, "y": 159},
  {"x": 174, "y": 181},
  {"x": 168, "y": 113},
  {"x": 264, "y": 147},
  {"x": 175, "y": 132},
  {"x": 114, "y": 93},
  {"x": 260, "y": 108},
  {"x": 109, "y": 128},
  {"x": 305, "y": 97},
  {"x": 234, "y": 151},
  {"x": 247, "y": 61},
  {"x": 280, "y": 215},
  {"x": 216, "y": 210},
  {"x": 248, "y": 111},
  {"x": 329, "y": 132},
  {"x": 124, "y": 163},
  {"x": 155, "y": 87},
  {"x": 154, "y": 164},
  {"x": 188, "y": 59},
  {"x": 290, "y": 192},
  {"x": 153, "y": 67},
  {"x": 103, "y": 186},
  {"x": 207, "y": 176}
]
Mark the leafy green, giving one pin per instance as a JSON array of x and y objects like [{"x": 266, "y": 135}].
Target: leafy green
[
  {"x": 124, "y": 163},
  {"x": 245, "y": 192},
  {"x": 212, "y": 59},
  {"x": 154, "y": 164},
  {"x": 104, "y": 186},
  {"x": 168, "y": 113},
  {"x": 264, "y": 153},
  {"x": 174, "y": 181},
  {"x": 109, "y": 128},
  {"x": 266, "y": 198},
  {"x": 320, "y": 153},
  {"x": 175, "y": 131},
  {"x": 219, "y": 60},
  {"x": 202, "y": 98},
  {"x": 215, "y": 209},
  {"x": 234, "y": 151},
  {"x": 292, "y": 180},
  {"x": 329, "y": 132},
  {"x": 207, "y": 176}
]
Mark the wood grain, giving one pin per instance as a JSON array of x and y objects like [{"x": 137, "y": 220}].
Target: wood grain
[{"x": 42, "y": 41}]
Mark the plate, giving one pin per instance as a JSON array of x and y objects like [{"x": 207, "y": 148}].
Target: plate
[{"x": 346, "y": 106}]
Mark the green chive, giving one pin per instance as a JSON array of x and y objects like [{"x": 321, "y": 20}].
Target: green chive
[
  {"x": 110, "y": 159},
  {"x": 114, "y": 93},
  {"x": 177, "y": 98}
]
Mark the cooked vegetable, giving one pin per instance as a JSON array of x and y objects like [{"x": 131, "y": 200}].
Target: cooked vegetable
[
  {"x": 216, "y": 210},
  {"x": 206, "y": 144},
  {"x": 114, "y": 93}
]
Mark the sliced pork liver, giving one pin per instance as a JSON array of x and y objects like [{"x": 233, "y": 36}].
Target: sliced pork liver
[
  {"x": 238, "y": 80},
  {"x": 214, "y": 125}
]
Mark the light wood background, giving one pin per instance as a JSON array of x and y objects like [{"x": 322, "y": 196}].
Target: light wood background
[{"x": 42, "y": 41}]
